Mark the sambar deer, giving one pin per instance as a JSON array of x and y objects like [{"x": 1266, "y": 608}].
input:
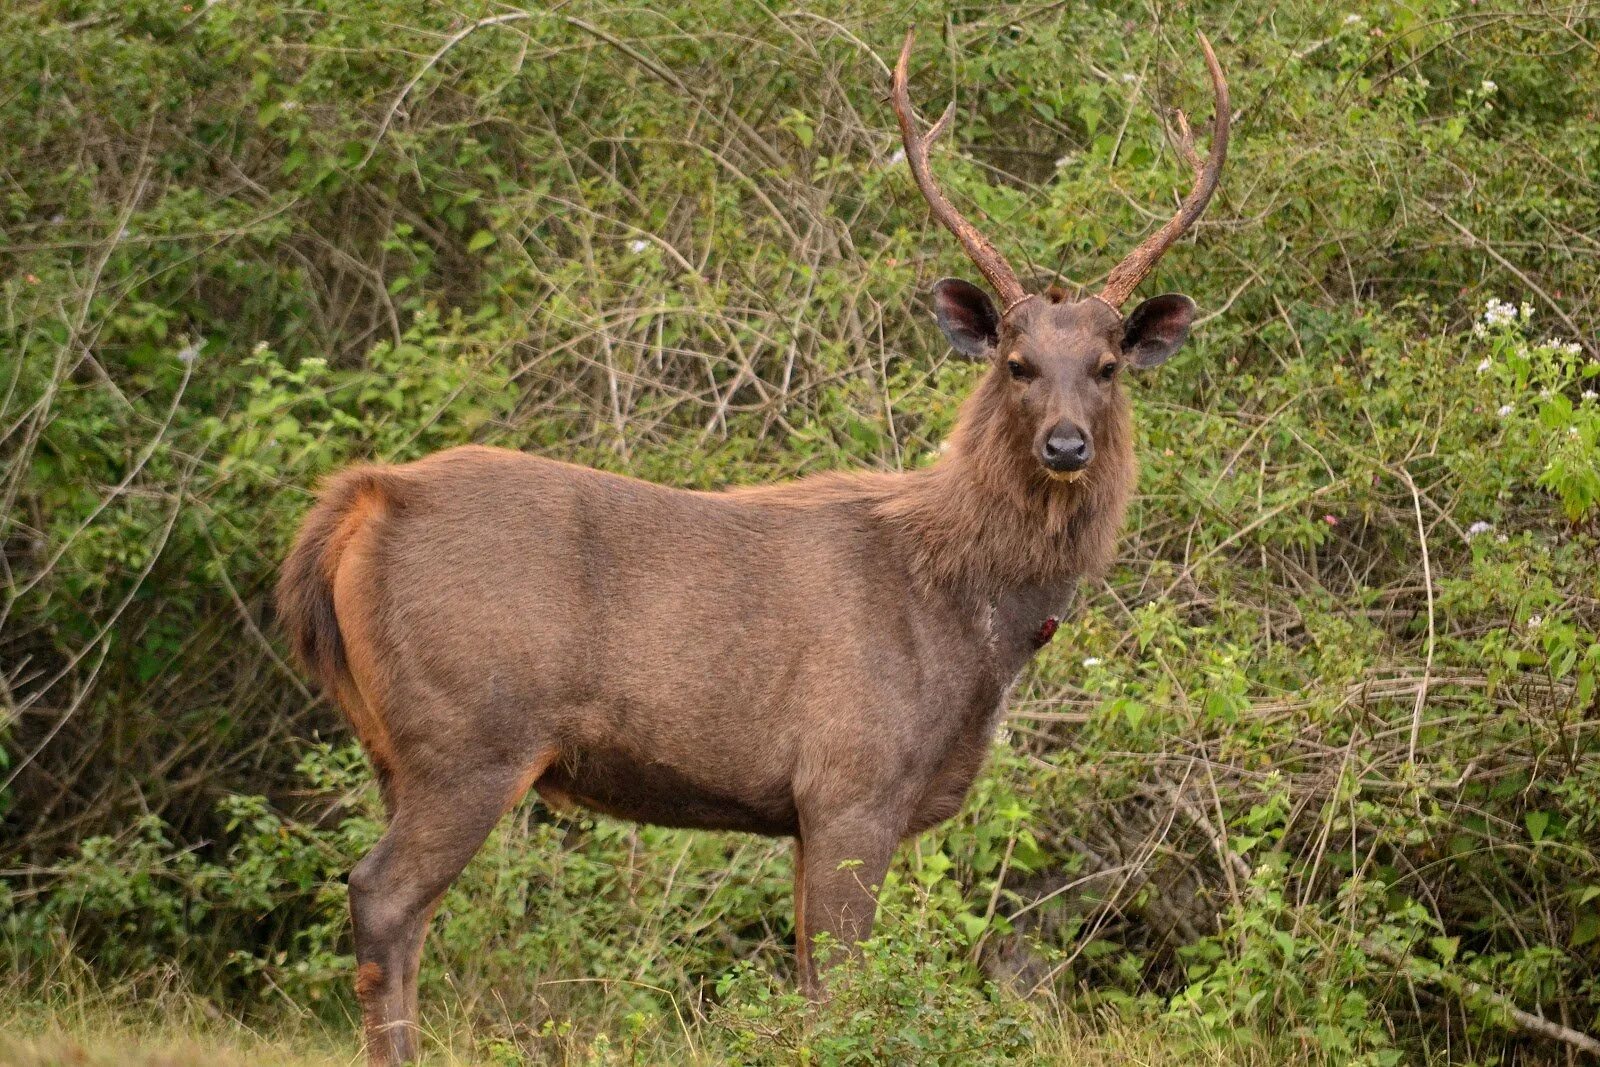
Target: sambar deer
[{"x": 824, "y": 659}]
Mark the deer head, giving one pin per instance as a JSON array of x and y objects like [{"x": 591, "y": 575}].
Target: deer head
[{"x": 1057, "y": 361}]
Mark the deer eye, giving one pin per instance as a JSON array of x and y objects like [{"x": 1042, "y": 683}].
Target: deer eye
[
  {"x": 1108, "y": 372},
  {"x": 1019, "y": 370}
]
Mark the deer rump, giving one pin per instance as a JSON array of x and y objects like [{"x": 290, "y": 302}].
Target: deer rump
[{"x": 707, "y": 660}]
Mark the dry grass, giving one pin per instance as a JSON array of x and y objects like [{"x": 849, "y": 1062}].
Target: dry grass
[
  {"x": 119, "y": 1041},
  {"x": 82, "y": 1025},
  {"x": 93, "y": 1033}
]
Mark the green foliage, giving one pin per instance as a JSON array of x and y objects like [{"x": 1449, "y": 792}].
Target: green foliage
[
  {"x": 906, "y": 1000},
  {"x": 1313, "y": 775}
]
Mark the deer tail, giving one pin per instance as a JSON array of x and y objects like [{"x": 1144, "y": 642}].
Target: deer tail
[{"x": 305, "y": 585}]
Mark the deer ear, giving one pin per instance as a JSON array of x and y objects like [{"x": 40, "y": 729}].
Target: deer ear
[
  {"x": 1156, "y": 329},
  {"x": 967, "y": 317}
]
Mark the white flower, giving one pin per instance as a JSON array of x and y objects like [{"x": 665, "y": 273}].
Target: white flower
[
  {"x": 1572, "y": 431},
  {"x": 1505, "y": 409},
  {"x": 897, "y": 157},
  {"x": 1092, "y": 661},
  {"x": 1501, "y": 539},
  {"x": 1353, "y": 19},
  {"x": 1498, "y": 312},
  {"x": 1130, "y": 77},
  {"x": 1544, "y": 394},
  {"x": 291, "y": 105},
  {"x": 1479, "y": 527},
  {"x": 1484, "y": 366},
  {"x": 188, "y": 352},
  {"x": 1589, "y": 394},
  {"x": 1488, "y": 86},
  {"x": 638, "y": 246},
  {"x": 1566, "y": 348},
  {"x": 1535, "y": 621},
  {"x": 261, "y": 346}
]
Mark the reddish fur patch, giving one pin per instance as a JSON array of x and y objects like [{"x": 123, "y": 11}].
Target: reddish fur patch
[
  {"x": 555, "y": 799},
  {"x": 369, "y": 994},
  {"x": 369, "y": 981},
  {"x": 531, "y": 774},
  {"x": 802, "y": 941},
  {"x": 349, "y": 563},
  {"x": 368, "y": 504},
  {"x": 340, "y": 531}
]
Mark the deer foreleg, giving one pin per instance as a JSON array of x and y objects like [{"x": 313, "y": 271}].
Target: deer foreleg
[{"x": 844, "y": 861}]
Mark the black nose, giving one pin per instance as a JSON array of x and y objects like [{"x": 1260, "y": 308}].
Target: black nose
[{"x": 1066, "y": 450}]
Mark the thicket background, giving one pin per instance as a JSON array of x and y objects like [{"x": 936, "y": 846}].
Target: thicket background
[{"x": 1314, "y": 775}]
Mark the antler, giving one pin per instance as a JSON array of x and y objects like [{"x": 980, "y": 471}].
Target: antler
[
  {"x": 979, "y": 250},
  {"x": 1126, "y": 276}
]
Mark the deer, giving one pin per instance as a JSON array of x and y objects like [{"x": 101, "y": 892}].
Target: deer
[{"x": 824, "y": 659}]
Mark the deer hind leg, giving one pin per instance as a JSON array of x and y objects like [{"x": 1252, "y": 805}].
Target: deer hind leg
[{"x": 436, "y": 829}]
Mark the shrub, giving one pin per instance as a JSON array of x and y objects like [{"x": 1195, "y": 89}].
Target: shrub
[{"x": 1317, "y": 762}]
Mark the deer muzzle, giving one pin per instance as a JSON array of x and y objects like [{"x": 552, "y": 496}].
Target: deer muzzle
[{"x": 1066, "y": 451}]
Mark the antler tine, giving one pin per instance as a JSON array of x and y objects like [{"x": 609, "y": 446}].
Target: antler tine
[
  {"x": 983, "y": 254},
  {"x": 937, "y": 129},
  {"x": 1186, "y": 144},
  {"x": 1126, "y": 276}
]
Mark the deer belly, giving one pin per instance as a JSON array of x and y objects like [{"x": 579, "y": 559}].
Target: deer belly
[{"x": 626, "y": 787}]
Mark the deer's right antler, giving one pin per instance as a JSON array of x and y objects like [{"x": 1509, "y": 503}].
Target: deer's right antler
[{"x": 983, "y": 254}]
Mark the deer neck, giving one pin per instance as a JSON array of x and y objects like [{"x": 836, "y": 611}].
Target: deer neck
[{"x": 985, "y": 519}]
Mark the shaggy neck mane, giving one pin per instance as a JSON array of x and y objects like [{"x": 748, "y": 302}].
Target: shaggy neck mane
[{"x": 986, "y": 518}]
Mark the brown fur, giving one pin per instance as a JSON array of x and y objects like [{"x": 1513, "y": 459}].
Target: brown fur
[
  {"x": 369, "y": 984},
  {"x": 825, "y": 659},
  {"x": 351, "y": 572},
  {"x": 352, "y": 503},
  {"x": 530, "y": 774}
]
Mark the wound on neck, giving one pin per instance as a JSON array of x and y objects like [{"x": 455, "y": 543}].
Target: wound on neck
[{"x": 1046, "y": 631}]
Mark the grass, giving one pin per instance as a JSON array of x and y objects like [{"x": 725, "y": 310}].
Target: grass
[
  {"x": 176, "y": 1031},
  {"x": 129, "y": 1045},
  {"x": 76, "y": 1024}
]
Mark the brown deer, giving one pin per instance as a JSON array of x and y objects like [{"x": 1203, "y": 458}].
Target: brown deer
[{"x": 824, "y": 659}]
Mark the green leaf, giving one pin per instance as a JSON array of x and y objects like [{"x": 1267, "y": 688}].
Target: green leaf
[
  {"x": 1134, "y": 712},
  {"x": 1537, "y": 822},
  {"x": 1091, "y": 114}
]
